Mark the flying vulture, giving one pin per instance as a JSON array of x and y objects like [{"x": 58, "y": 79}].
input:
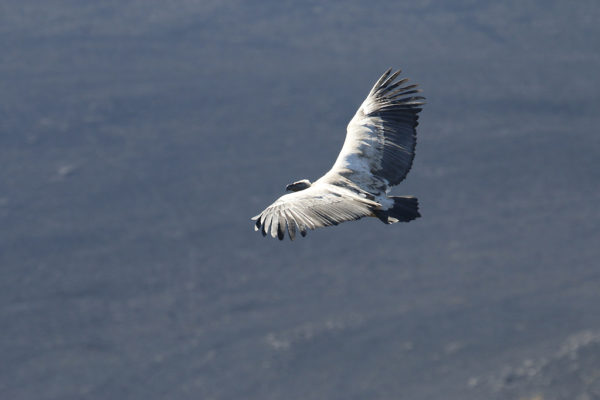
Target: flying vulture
[{"x": 377, "y": 154}]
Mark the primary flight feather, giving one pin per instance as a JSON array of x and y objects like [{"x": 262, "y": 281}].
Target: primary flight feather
[{"x": 377, "y": 154}]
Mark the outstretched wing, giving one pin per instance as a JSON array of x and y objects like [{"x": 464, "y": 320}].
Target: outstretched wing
[
  {"x": 380, "y": 141},
  {"x": 311, "y": 208}
]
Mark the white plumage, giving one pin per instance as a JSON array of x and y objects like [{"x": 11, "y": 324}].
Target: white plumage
[{"x": 377, "y": 154}]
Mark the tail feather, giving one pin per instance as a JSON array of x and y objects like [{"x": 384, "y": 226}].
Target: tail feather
[{"x": 405, "y": 209}]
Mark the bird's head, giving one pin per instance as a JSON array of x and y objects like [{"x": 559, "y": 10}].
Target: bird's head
[{"x": 298, "y": 185}]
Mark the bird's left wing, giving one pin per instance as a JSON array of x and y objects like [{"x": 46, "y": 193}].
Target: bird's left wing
[
  {"x": 380, "y": 141},
  {"x": 315, "y": 207}
]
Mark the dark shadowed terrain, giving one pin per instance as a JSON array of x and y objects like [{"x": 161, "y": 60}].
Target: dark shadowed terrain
[{"x": 137, "y": 138}]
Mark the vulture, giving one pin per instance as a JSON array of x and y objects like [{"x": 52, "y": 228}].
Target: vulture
[{"x": 377, "y": 154}]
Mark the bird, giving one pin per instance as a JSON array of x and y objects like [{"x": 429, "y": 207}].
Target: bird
[{"x": 377, "y": 154}]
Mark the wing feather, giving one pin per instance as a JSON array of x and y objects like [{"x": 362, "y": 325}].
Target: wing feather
[
  {"x": 302, "y": 219},
  {"x": 291, "y": 223},
  {"x": 391, "y": 78},
  {"x": 281, "y": 228},
  {"x": 267, "y": 225},
  {"x": 274, "y": 224},
  {"x": 395, "y": 88}
]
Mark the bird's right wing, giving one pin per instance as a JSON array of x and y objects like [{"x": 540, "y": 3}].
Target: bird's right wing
[{"x": 315, "y": 207}]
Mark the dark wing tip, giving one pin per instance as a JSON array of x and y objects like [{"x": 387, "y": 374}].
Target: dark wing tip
[
  {"x": 381, "y": 80},
  {"x": 397, "y": 104},
  {"x": 280, "y": 230},
  {"x": 391, "y": 78}
]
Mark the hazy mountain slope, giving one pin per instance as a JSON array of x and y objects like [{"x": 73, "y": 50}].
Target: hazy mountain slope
[{"x": 138, "y": 138}]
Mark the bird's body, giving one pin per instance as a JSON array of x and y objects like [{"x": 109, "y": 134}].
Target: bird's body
[{"x": 377, "y": 154}]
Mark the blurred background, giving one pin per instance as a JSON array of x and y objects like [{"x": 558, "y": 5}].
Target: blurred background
[{"x": 137, "y": 138}]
